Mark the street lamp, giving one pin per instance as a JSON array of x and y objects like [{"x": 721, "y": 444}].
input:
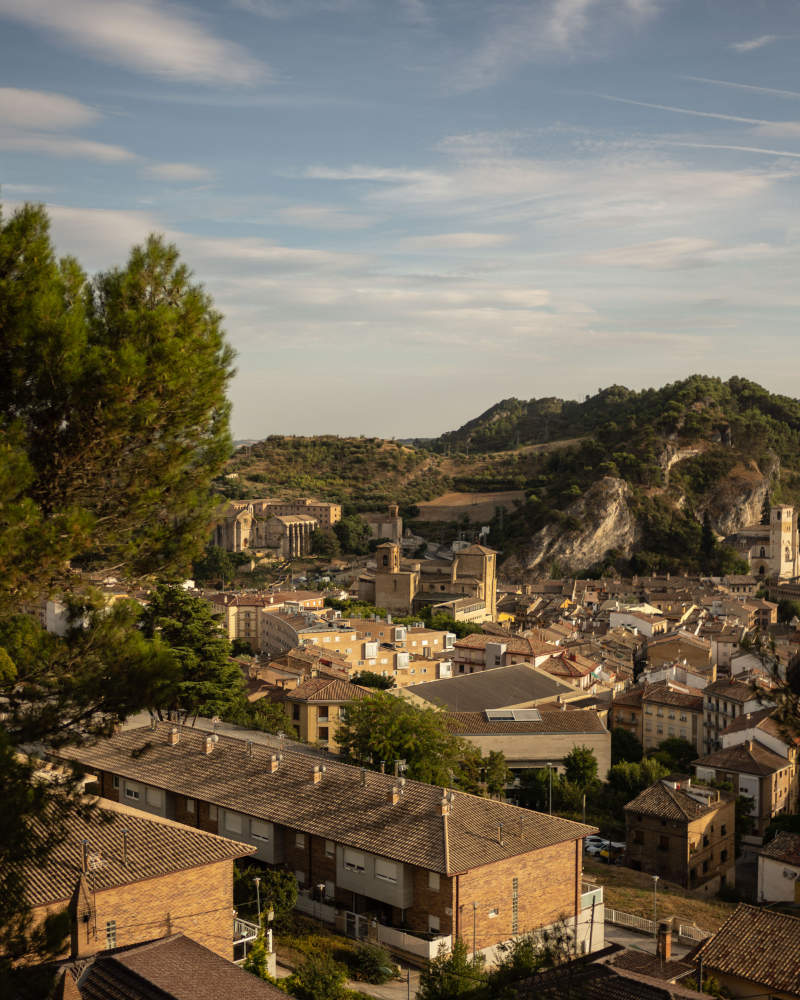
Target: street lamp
[
  {"x": 257, "y": 881},
  {"x": 655, "y": 898},
  {"x": 550, "y": 782}
]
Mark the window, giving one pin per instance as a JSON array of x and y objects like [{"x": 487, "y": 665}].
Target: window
[
  {"x": 723, "y": 829},
  {"x": 296, "y": 713},
  {"x": 353, "y": 860},
  {"x": 385, "y": 870},
  {"x": 190, "y": 805},
  {"x": 213, "y": 812},
  {"x": 260, "y": 830},
  {"x": 233, "y": 822},
  {"x": 330, "y": 849},
  {"x": 299, "y": 840},
  {"x": 111, "y": 934},
  {"x": 154, "y": 797},
  {"x": 663, "y": 843},
  {"x": 322, "y": 733},
  {"x": 115, "y": 781},
  {"x": 322, "y": 713},
  {"x": 515, "y": 906},
  {"x": 433, "y": 881},
  {"x": 638, "y": 836},
  {"x": 705, "y": 867},
  {"x": 132, "y": 793},
  {"x": 723, "y": 855}
]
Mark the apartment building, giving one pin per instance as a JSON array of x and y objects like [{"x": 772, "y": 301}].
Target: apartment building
[
  {"x": 484, "y": 652},
  {"x": 316, "y": 708},
  {"x": 375, "y": 850},
  {"x": 645, "y": 624},
  {"x": 671, "y": 711},
  {"x": 760, "y": 774},
  {"x": 682, "y": 833},
  {"x": 242, "y": 615},
  {"x": 724, "y": 701},
  {"x": 125, "y": 877}
]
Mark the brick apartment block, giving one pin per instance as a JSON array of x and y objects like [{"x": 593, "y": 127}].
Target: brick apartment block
[
  {"x": 125, "y": 878},
  {"x": 402, "y": 853}
]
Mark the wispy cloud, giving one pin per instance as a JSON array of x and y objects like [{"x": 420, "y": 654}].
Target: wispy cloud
[
  {"x": 64, "y": 146},
  {"x": 754, "y": 43},
  {"x": 456, "y": 241},
  {"x": 549, "y": 28},
  {"x": 177, "y": 172},
  {"x": 746, "y": 86},
  {"x": 141, "y": 35},
  {"x": 37, "y": 109},
  {"x": 678, "y": 252},
  {"x": 764, "y": 126},
  {"x": 282, "y": 10},
  {"x": 736, "y": 149},
  {"x": 324, "y": 217}
]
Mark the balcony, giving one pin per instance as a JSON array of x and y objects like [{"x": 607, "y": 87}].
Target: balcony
[
  {"x": 244, "y": 933},
  {"x": 590, "y": 894}
]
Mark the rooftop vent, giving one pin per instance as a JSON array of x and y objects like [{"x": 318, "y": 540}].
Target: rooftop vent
[
  {"x": 273, "y": 764},
  {"x": 174, "y": 736},
  {"x": 208, "y": 744}
]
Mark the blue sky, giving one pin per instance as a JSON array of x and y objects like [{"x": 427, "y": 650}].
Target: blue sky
[{"x": 410, "y": 209}]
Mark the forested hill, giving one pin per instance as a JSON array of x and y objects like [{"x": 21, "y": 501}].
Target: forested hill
[
  {"x": 622, "y": 478},
  {"x": 697, "y": 407}
]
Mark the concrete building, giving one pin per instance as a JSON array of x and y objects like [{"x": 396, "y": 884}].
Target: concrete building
[
  {"x": 316, "y": 708},
  {"x": 724, "y": 701},
  {"x": 762, "y": 775},
  {"x": 779, "y": 869},
  {"x": 683, "y": 833},
  {"x": 411, "y": 863},
  {"x": 645, "y": 624},
  {"x": 529, "y": 738}
]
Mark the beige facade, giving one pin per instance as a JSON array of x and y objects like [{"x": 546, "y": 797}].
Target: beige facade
[
  {"x": 771, "y": 549},
  {"x": 682, "y": 834},
  {"x": 283, "y": 527}
]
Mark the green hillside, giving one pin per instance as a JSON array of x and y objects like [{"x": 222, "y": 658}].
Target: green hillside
[{"x": 697, "y": 449}]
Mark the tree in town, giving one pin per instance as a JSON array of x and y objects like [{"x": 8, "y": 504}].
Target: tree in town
[
  {"x": 580, "y": 767},
  {"x": 113, "y": 423},
  {"x": 625, "y": 746},
  {"x": 353, "y": 534},
  {"x": 452, "y": 974},
  {"x": 497, "y": 772},
  {"x": 216, "y": 565},
  {"x": 318, "y": 977},
  {"x": 206, "y": 681},
  {"x": 675, "y": 754},
  {"x": 384, "y": 728},
  {"x": 368, "y": 678},
  {"x": 325, "y": 543}
]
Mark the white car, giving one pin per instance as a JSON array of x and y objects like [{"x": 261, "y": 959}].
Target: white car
[{"x": 593, "y": 845}]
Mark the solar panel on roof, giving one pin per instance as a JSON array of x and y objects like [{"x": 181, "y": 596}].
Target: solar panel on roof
[
  {"x": 499, "y": 714},
  {"x": 527, "y": 715}
]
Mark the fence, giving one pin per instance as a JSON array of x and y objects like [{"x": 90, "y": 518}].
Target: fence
[
  {"x": 686, "y": 932},
  {"x": 691, "y": 933},
  {"x": 630, "y": 920}
]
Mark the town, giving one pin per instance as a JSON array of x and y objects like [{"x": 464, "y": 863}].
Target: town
[{"x": 624, "y": 735}]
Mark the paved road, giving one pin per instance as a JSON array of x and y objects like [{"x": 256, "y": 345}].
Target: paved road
[
  {"x": 396, "y": 989},
  {"x": 640, "y": 942}
]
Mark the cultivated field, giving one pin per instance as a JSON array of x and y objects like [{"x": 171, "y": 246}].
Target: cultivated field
[{"x": 479, "y": 507}]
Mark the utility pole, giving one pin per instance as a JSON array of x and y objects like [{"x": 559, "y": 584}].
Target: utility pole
[
  {"x": 655, "y": 906},
  {"x": 257, "y": 881},
  {"x": 474, "y": 937}
]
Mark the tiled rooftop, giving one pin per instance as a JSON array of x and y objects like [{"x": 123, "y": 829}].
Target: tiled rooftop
[
  {"x": 568, "y": 721},
  {"x": 747, "y": 758},
  {"x": 758, "y": 945},
  {"x": 785, "y": 847},
  {"x": 664, "y": 802},
  {"x": 151, "y": 847},
  {"x": 172, "y": 968},
  {"x": 347, "y": 805}
]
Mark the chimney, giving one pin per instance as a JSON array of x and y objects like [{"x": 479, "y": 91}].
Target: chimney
[
  {"x": 153, "y": 724},
  {"x": 174, "y": 736},
  {"x": 394, "y": 795},
  {"x": 445, "y": 806},
  {"x": 316, "y": 774},
  {"x": 364, "y": 777},
  {"x": 500, "y": 834},
  {"x": 664, "y": 940},
  {"x": 273, "y": 764},
  {"x": 249, "y": 748},
  {"x": 748, "y": 745},
  {"x": 208, "y": 745},
  {"x": 84, "y": 855}
]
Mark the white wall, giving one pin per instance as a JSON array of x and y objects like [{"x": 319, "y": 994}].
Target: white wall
[{"x": 777, "y": 880}]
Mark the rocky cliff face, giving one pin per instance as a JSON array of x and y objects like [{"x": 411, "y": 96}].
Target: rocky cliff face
[
  {"x": 606, "y": 523},
  {"x": 738, "y": 500}
]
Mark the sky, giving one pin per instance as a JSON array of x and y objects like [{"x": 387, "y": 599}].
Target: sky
[{"x": 407, "y": 210}]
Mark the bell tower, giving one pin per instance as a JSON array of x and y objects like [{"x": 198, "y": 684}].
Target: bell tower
[{"x": 782, "y": 541}]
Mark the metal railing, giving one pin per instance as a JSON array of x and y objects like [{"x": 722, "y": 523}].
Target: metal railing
[
  {"x": 693, "y": 933},
  {"x": 631, "y": 920},
  {"x": 591, "y": 893},
  {"x": 243, "y": 930}
]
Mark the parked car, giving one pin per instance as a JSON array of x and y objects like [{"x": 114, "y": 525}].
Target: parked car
[{"x": 593, "y": 845}]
